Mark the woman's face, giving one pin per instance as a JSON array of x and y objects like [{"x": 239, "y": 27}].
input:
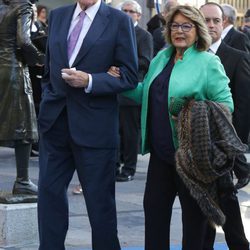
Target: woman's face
[
  {"x": 43, "y": 14},
  {"x": 183, "y": 32}
]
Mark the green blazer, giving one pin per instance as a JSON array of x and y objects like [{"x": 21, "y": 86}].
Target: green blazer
[{"x": 199, "y": 75}]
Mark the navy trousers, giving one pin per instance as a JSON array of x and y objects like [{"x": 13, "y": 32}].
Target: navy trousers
[
  {"x": 163, "y": 184},
  {"x": 59, "y": 158}
]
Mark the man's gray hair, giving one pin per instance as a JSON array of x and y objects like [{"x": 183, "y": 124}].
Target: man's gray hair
[
  {"x": 230, "y": 12},
  {"x": 136, "y": 5}
]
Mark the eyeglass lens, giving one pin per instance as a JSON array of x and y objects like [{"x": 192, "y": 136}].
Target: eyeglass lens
[
  {"x": 185, "y": 27},
  {"x": 130, "y": 11}
]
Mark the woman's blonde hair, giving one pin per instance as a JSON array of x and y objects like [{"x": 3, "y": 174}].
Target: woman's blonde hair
[{"x": 197, "y": 18}]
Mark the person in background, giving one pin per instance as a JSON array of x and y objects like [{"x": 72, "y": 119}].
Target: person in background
[
  {"x": 230, "y": 35},
  {"x": 246, "y": 24},
  {"x": 129, "y": 111},
  {"x": 39, "y": 38},
  {"x": 184, "y": 69},
  {"x": 155, "y": 22},
  {"x": 238, "y": 70},
  {"x": 18, "y": 127},
  {"x": 79, "y": 117},
  {"x": 158, "y": 37},
  {"x": 42, "y": 18},
  {"x": 236, "y": 64}
]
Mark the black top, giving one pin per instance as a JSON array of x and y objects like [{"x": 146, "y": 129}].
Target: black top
[{"x": 160, "y": 132}]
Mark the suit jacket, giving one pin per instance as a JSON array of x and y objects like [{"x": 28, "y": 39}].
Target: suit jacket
[
  {"x": 237, "y": 40},
  {"x": 237, "y": 67},
  {"x": 92, "y": 117},
  {"x": 144, "y": 41},
  {"x": 158, "y": 39}
]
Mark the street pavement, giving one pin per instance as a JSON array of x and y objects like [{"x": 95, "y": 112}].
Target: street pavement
[{"x": 129, "y": 197}]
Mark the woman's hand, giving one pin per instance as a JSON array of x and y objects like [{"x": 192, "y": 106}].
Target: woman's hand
[{"x": 114, "y": 71}]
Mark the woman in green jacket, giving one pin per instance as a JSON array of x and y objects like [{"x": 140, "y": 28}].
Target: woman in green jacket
[{"x": 184, "y": 69}]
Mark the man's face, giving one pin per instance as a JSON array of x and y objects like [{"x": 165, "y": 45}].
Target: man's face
[
  {"x": 86, "y": 3},
  {"x": 214, "y": 21},
  {"x": 130, "y": 10}
]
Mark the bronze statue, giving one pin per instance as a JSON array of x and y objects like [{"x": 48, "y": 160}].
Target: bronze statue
[{"x": 18, "y": 126}]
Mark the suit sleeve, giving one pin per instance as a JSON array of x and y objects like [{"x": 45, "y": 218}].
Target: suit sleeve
[
  {"x": 125, "y": 57},
  {"x": 241, "y": 94},
  {"x": 145, "y": 54},
  {"x": 217, "y": 83}
]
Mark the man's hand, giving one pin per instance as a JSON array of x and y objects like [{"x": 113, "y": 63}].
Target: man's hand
[{"x": 75, "y": 78}]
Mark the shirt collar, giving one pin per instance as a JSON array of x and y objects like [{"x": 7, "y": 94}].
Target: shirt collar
[
  {"x": 90, "y": 12},
  {"x": 226, "y": 30},
  {"x": 214, "y": 46},
  {"x": 135, "y": 24}
]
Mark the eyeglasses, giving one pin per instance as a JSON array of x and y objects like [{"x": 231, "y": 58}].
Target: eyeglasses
[
  {"x": 185, "y": 27},
  {"x": 129, "y": 11}
]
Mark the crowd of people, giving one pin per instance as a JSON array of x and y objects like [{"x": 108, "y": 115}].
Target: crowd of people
[{"x": 108, "y": 90}]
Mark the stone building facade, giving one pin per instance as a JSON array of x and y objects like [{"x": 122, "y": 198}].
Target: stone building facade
[{"x": 240, "y": 5}]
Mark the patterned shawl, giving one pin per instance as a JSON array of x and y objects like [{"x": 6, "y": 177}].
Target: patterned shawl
[{"x": 208, "y": 145}]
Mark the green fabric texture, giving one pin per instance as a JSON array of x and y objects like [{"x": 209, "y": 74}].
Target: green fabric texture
[{"x": 199, "y": 75}]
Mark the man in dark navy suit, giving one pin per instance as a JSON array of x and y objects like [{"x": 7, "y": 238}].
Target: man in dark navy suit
[{"x": 78, "y": 117}]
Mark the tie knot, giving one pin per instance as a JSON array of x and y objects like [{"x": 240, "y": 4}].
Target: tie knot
[{"x": 82, "y": 14}]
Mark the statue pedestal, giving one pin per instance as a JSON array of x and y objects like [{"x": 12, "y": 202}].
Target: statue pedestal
[{"x": 18, "y": 224}]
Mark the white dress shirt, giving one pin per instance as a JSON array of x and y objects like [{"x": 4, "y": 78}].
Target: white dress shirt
[
  {"x": 88, "y": 19},
  {"x": 214, "y": 46}
]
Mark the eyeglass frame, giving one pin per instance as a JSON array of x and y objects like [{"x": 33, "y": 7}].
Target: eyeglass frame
[
  {"x": 130, "y": 11},
  {"x": 180, "y": 26}
]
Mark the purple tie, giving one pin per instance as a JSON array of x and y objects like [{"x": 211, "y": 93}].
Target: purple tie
[{"x": 74, "y": 35}]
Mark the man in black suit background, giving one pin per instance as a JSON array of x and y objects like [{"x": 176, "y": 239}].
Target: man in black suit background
[
  {"x": 129, "y": 115},
  {"x": 230, "y": 35},
  {"x": 236, "y": 64},
  {"x": 239, "y": 41}
]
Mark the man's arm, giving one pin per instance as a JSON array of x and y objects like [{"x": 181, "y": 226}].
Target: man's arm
[
  {"x": 145, "y": 54},
  {"x": 241, "y": 93},
  {"x": 125, "y": 57}
]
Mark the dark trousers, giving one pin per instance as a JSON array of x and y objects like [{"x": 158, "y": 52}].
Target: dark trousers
[
  {"x": 129, "y": 118},
  {"x": 241, "y": 167},
  {"x": 233, "y": 228},
  {"x": 162, "y": 186},
  {"x": 59, "y": 158}
]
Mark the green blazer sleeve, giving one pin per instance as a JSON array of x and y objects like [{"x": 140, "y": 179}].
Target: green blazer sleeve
[{"x": 135, "y": 94}]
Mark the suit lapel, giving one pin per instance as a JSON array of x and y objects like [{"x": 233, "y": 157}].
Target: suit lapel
[
  {"x": 222, "y": 51},
  {"x": 98, "y": 26},
  {"x": 228, "y": 37},
  {"x": 65, "y": 23}
]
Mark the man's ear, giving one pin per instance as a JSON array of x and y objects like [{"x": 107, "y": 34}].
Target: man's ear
[
  {"x": 138, "y": 17},
  {"x": 225, "y": 21}
]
